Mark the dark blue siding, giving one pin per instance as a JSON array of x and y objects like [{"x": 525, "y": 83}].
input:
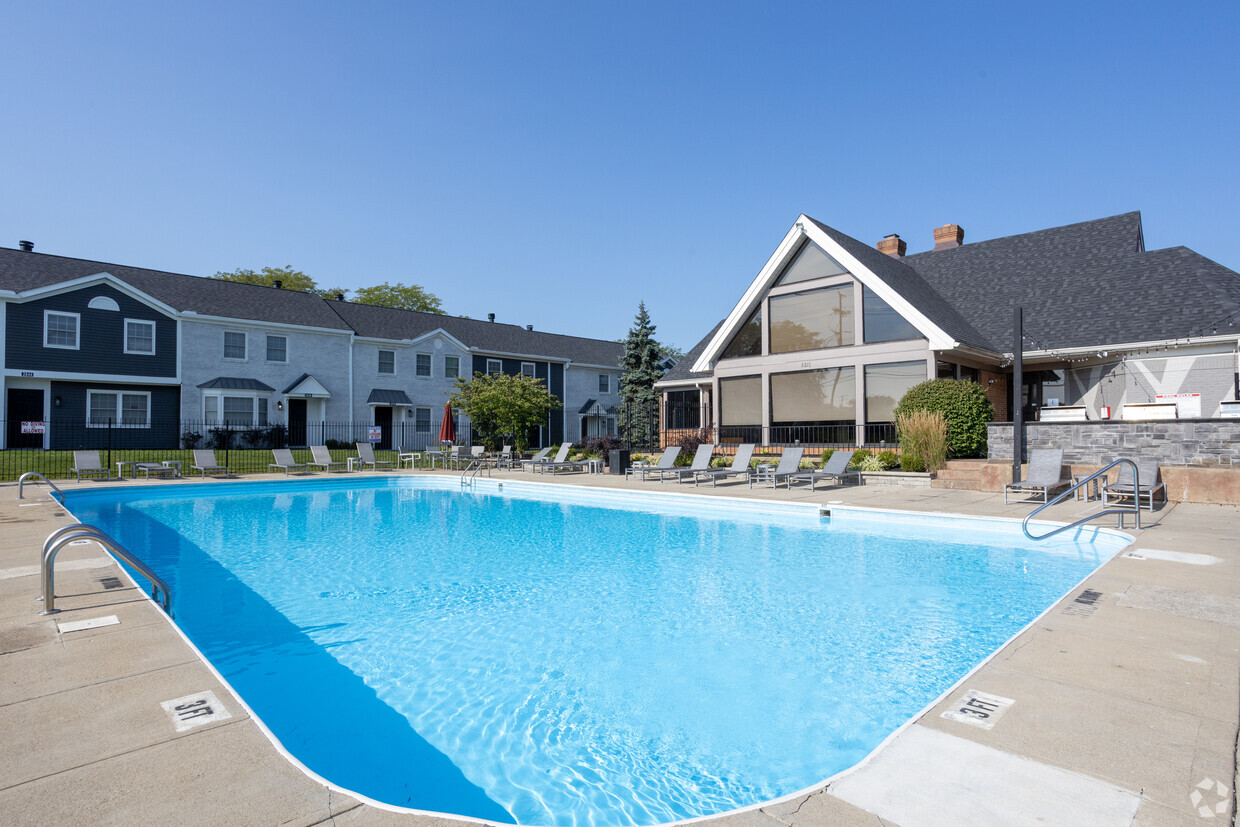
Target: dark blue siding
[
  {"x": 552, "y": 373},
  {"x": 101, "y": 336},
  {"x": 68, "y": 425}
]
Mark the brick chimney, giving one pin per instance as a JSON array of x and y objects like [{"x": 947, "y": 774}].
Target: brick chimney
[
  {"x": 948, "y": 236},
  {"x": 893, "y": 246}
]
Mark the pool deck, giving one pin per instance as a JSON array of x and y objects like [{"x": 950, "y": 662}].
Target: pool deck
[{"x": 1125, "y": 696}]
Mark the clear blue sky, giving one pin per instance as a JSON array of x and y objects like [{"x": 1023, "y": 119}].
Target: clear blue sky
[{"x": 555, "y": 164}]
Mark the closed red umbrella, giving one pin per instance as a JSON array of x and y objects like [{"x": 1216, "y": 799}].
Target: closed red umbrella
[{"x": 447, "y": 428}]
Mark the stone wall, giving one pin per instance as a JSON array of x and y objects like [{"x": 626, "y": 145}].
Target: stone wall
[{"x": 1211, "y": 443}]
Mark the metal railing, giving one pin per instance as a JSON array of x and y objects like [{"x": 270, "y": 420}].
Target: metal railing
[
  {"x": 471, "y": 471},
  {"x": 21, "y": 483},
  {"x": 1120, "y": 512},
  {"x": 64, "y": 535}
]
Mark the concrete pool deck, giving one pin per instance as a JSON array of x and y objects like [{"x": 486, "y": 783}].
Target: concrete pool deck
[{"x": 1125, "y": 696}]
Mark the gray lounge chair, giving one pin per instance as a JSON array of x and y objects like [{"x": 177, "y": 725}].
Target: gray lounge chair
[
  {"x": 701, "y": 462},
  {"x": 1045, "y": 474},
  {"x": 789, "y": 464},
  {"x": 540, "y": 457},
  {"x": 366, "y": 456},
  {"x": 147, "y": 469},
  {"x": 1147, "y": 475},
  {"x": 87, "y": 462},
  {"x": 284, "y": 460},
  {"x": 205, "y": 463},
  {"x": 322, "y": 458},
  {"x": 561, "y": 463},
  {"x": 836, "y": 469},
  {"x": 666, "y": 461},
  {"x": 560, "y": 456},
  {"x": 739, "y": 467}
]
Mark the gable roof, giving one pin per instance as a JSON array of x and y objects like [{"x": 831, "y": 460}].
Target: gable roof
[{"x": 683, "y": 371}]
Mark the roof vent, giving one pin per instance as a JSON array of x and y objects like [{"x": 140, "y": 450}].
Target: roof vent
[
  {"x": 948, "y": 236},
  {"x": 529, "y": 327},
  {"x": 340, "y": 297},
  {"x": 27, "y": 246},
  {"x": 277, "y": 284},
  {"x": 893, "y": 246},
  {"x": 490, "y": 317}
]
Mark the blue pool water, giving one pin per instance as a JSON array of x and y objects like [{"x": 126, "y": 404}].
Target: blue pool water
[{"x": 552, "y": 655}]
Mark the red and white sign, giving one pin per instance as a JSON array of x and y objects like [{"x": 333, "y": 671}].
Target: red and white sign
[
  {"x": 34, "y": 427},
  {"x": 1187, "y": 405},
  {"x": 376, "y": 434}
]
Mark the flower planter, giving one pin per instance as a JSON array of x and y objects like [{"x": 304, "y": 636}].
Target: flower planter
[{"x": 903, "y": 479}]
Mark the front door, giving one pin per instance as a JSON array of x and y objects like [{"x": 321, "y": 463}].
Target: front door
[
  {"x": 383, "y": 419},
  {"x": 25, "y": 405},
  {"x": 297, "y": 422}
]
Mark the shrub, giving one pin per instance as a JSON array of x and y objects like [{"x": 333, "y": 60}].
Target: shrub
[
  {"x": 923, "y": 437},
  {"x": 889, "y": 460},
  {"x": 220, "y": 438},
  {"x": 688, "y": 447},
  {"x": 859, "y": 457},
  {"x": 965, "y": 408},
  {"x": 826, "y": 455},
  {"x": 874, "y": 462},
  {"x": 912, "y": 462},
  {"x": 602, "y": 446},
  {"x": 190, "y": 439},
  {"x": 721, "y": 462},
  {"x": 338, "y": 445}
]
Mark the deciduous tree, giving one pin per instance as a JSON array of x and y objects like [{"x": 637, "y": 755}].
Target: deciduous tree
[
  {"x": 404, "y": 296},
  {"x": 500, "y": 405}
]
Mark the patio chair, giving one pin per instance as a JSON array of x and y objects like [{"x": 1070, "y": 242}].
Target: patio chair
[
  {"x": 540, "y": 457},
  {"x": 789, "y": 464},
  {"x": 836, "y": 469},
  {"x": 561, "y": 463},
  {"x": 366, "y": 456},
  {"x": 205, "y": 463},
  {"x": 701, "y": 462},
  {"x": 1045, "y": 474},
  {"x": 87, "y": 462},
  {"x": 322, "y": 458},
  {"x": 504, "y": 460},
  {"x": 738, "y": 468},
  {"x": 1147, "y": 474},
  {"x": 666, "y": 461},
  {"x": 284, "y": 459}
]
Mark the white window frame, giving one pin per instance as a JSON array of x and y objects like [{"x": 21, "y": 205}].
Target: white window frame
[
  {"x": 604, "y": 383},
  {"x": 267, "y": 353},
  {"x": 150, "y": 324},
  {"x": 255, "y": 408},
  {"x": 429, "y": 413},
  {"x": 457, "y": 359},
  {"x": 379, "y": 363},
  {"x": 499, "y": 366},
  {"x": 119, "y": 394},
  {"x": 245, "y": 347},
  {"x": 77, "y": 329},
  {"x": 430, "y": 364},
  {"x": 533, "y": 369}
]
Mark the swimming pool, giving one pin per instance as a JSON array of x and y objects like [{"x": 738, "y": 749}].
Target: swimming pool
[{"x": 546, "y": 654}]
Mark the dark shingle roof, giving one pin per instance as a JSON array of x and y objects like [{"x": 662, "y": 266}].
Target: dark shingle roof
[
  {"x": 681, "y": 371},
  {"x": 236, "y": 383},
  {"x": 386, "y": 396},
  {"x": 494, "y": 337}
]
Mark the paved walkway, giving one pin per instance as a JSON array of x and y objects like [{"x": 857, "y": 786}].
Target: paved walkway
[{"x": 1124, "y": 699}]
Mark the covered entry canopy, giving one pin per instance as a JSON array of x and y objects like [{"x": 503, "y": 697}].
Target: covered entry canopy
[
  {"x": 307, "y": 386},
  {"x": 385, "y": 396}
]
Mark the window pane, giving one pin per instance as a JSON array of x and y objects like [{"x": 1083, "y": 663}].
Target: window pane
[
  {"x": 211, "y": 409},
  {"x": 262, "y": 411},
  {"x": 885, "y": 386},
  {"x": 277, "y": 349},
  {"x": 451, "y": 366},
  {"x": 748, "y": 340},
  {"x": 139, "y": 337},
  {"x": 812, "y": 320},
  {"x": 239, "y": 410},
  {"x": 424, "y": 364},
  {"x": 102, "y": 408},
  {"x": 133, "y": 409},
  {"x": 945, "y": 370},
  {"x": 62, "y": 330},
  {"x": 422, "y": 420},
  {"x": 387, "y": 361},
  {"x": 814, "y": 397},
  {"x": 740, "y": 401},
  {"x": 882, "y": 322},
  {"x": 495, "y": 366},
  {"x": 604, "y": 383},
  {"x": 811, "y": 263},
  {"x": 234, "y": 345}
]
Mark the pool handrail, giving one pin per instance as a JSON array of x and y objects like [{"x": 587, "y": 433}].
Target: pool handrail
[
  {"x": 467, "y": 478},
  {"x": 64, "y": 535},
  {"x": 21, "y": 483},
  {"x": 1120, "y": 512}
]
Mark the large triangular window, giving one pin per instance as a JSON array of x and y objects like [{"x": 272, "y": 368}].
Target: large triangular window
[
  {"x": 748, "y": 340},
  {"x": 811, "y": 263}
]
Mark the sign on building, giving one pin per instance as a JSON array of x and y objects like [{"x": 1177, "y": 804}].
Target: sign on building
[
  {"x": 33, "y": 427},
  {"x": 1187, "y": 405},
  {"x": 376, "y": 434}
]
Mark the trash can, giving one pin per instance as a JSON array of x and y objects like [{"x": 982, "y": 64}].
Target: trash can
[{"x": 618, "y": 462}]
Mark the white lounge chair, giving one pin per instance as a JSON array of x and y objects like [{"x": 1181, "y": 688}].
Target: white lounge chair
[
  {"x": 1045, "y": 474},
  {"x": 540, "y": 457},
  {"x": 366, "y": 456},
  {"x": 205, "y": 463},
  {"x": 284, "y": 459},
  {"x": 1147, "y": 475},
  {"x": 665, "y": 463},
  {"x": 87, "y": 462},
  {"x": 701, "y": 462},
  {"x": 322, "y": 458},
  {"x": 739, "y": 467},
  {"x": 789, "y": 464},
  {"x": 836, "y": 469}
]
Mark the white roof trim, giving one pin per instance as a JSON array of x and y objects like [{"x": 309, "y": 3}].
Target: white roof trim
[
  {"x": 767, "y": 275},
  {"x": 98, "y": 278},
  {"x": 440, "y": 332},
  {"x": 309, "y": 387}
]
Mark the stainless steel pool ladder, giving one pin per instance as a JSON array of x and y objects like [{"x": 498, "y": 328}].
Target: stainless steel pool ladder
[
  {"x": 66, "y": 534},
  {"x": 1120, "y": 512},
  {"x": 21, "y": 483},
  {"x": 471, "y": 471}
]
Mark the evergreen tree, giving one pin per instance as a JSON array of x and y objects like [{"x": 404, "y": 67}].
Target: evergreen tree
[{"x": 641, "y": 370}]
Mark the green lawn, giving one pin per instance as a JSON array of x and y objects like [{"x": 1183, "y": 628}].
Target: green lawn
[{"x": 59, "y": 464}]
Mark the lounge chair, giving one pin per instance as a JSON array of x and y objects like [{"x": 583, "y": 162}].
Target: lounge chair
[
  {"x": 366, "y": 456},
  {"x": 665, "y": 463},
  {"x": 504, "y": 460},
  {"x": 789, "y": 464},
  {"x": 284, "y": 459},
  {"x": 1045, "y": 474},
  {"x": 322, "y": 458},
  {"x": 738, "y": 468},
  {"x": 836, "y": 469},
  {"x": 1147, "y": 474},
  {"x": 537, "y": 459},
  {"x": 87, "y": 462},
  {"x": 204, "y": 463},
  {"x": 561, "y": 463},
  {"x": 701, "y": 462},
  {"x": 146, "y": 469}
]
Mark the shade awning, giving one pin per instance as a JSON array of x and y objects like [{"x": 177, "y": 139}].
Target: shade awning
[
  {"x": 586, "y": 408},
  {"x": 236, "y": 383},
  {"x": 307, "y": 385},
  {"x": 385, "y": 396}
]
